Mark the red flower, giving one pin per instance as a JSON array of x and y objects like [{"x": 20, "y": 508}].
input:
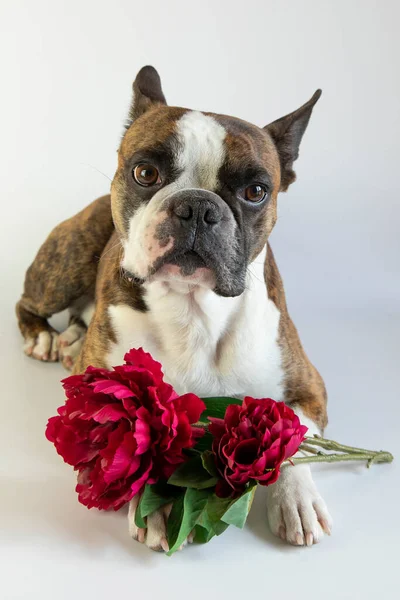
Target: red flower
[
  {"x": 122, "y": 429},
  {"x": 252, "y": 441}
]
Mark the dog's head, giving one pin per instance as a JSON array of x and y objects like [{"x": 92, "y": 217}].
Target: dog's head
[{"x": 194, "y": 196}]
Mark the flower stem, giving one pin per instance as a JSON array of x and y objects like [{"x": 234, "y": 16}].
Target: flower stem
[
  {"x": 332, "y": 445},
  {"x": 340, "y": 453},
  {"x": 378, "y": 457},
  {"x": 310, "y": 449}
]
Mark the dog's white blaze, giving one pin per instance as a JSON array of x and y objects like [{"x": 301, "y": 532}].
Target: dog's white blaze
[
  {"x": 207, "y": 344},
  {"x": 199, "y": 156},
  {"x": 202, "y": 151}
]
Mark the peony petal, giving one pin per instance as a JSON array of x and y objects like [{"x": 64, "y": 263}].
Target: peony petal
[
  {"x": 260, "y": 464},
  {"x": 216, "y": 427},
  {"x": 124, "y": 460},
  {"x": 110, "y": 412},
  {"x": 140, "y": 482},
  {"x": 232, "y": 415},
  {"x": 137, "y": 357},
  {"x": 269, "y": 477},
  {"x": 115, "y": 388},
  {"x": 142, "y": 436},
  {"x": 192, "y": 405},
  {"x": 246, "y": 452}
]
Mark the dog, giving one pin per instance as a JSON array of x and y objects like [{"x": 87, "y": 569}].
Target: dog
[{"x": 177, "y": 260}]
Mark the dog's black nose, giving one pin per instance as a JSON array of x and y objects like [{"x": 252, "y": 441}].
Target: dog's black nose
[{"x": 196, "y": 209}]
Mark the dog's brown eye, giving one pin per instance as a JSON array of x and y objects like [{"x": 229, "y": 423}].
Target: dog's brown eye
[
  {"x": 255, "y": 193},
  {"x": 146, "y": 175}
]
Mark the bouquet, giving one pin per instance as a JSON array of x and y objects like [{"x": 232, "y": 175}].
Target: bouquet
[{"x": 127, "y": 432}]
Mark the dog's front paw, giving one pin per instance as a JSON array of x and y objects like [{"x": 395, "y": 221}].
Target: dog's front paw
[
  {"x": 155, "y": 535},
  {"x": 70, "y": 343},
  {"x": 296, "y": 511}
]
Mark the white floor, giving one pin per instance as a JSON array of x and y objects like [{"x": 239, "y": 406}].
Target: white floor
[{"x": 52, "y": 547}]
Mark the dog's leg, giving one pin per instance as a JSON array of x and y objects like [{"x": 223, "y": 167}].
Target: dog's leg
[
  {"x": 296, "y": 511},
  {"x": 71, "y": 340},
  {"x": 63, "y": 272},
  {"x": 155, "y": 535}
]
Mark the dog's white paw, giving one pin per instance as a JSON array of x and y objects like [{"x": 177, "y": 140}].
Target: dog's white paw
[
  {"x": 296, "y": 511},
  {"x": 42, "y": 347},
  {"x": 70, "y": 343},
  {"x": 155, "y": 535}
]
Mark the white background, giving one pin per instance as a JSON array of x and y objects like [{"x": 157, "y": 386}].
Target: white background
[{"x": 66, "y": 74}]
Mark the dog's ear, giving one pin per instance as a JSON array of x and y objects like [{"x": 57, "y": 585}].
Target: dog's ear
[
  {"x": 147, "y": 92},
  {"x": 287, "y": 133}
]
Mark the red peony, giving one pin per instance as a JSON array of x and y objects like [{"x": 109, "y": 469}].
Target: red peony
[
  {"x": 122, "y": 429},
  {"x": 252, "y": 441}
]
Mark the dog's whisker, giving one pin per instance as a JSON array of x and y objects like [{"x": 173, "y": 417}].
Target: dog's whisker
[
  {"x": 254, "y": 275},
  {"x": 98, "y": 170},
  {"x": 112, "y": 248}
]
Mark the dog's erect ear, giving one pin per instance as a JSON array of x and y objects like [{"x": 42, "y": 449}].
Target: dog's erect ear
[
  {"x": 287, "y": 133},
  {"x": 147, "y": 92}
]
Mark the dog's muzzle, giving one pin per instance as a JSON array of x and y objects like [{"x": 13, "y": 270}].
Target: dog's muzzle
[{"x": 204, "y": 231}]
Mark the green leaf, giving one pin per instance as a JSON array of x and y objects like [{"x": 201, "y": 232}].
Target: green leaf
[
  {"x": 202, "y": 535},
  {"x": 210, "y": 520},
  {"x": 192, "y": 474},
  {"x": 208, "y": 460},
  {"x": 219, "y": 527},
  {"x": 217, "y": 507},
  {"x": 155, "y": 496},
  {"x": 239, "y": 509},
  {"x": 175, "y": 521},
  {"x": 204, "y": 443},
  {"x": 139, "y": 521},
  {"x": 194, "y": 503},
  {"x": 216, "y": 407}
]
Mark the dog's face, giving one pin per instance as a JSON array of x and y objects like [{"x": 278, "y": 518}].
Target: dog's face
[{"x": 194, "y": 197}]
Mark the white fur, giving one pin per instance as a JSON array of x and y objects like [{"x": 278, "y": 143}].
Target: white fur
[
  {"x": 44, "y": 347},
  {"x": 296, "y": 511},
  {"x": 70, "y": 335},
  {"x": 70, "y": 343},
  {"x": 87, "y": 313},
  {"x": 199, "y": 155},
  {"x": 207, "y": 344},
  {"x": 202, "y": 151}
]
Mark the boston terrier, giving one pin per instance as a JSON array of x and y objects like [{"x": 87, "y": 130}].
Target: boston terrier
[{"x": 177, "y": 260}]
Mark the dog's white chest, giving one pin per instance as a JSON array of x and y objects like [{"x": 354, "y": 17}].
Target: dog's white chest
[{"x": 207, "y": 345}]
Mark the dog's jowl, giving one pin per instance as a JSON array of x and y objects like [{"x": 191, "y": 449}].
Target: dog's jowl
[{"x": 177, "y": 260}]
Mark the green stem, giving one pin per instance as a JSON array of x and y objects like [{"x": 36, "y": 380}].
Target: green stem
[
  {"x": 332, "y": 445},
  {"x": 311, "y": 449},
  {"x": 370, "y": 457}
]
